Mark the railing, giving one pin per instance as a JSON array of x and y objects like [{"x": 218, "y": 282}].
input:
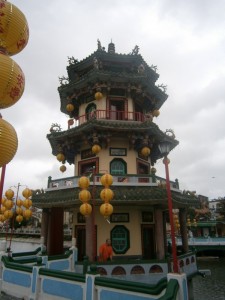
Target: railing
[
  {"x": 120, "y": 180},
  {"x": 100, "y": 114},
  {"x": 211, "y": 241}
]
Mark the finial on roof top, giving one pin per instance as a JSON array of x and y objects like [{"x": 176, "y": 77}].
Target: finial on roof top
[
  {"x": 111, "y": 47},
  {"x": 99, "y": 45},
  {"x": 135, "y": 50}
]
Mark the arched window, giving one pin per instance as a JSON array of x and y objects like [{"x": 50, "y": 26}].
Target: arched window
[
  {"x": 118, "y": 167},
  {"x": 91, "y": 111}
]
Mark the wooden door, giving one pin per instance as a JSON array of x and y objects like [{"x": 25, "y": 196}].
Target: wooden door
[{"x": 148, "y": 242}]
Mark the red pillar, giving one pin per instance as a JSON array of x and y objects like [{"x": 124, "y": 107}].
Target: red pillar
[{"x": 55, "y": 231}]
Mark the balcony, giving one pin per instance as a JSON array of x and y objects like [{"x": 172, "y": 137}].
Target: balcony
[
  {"x": 120, "y": 180},
  {"x": 111, "y": 115}
]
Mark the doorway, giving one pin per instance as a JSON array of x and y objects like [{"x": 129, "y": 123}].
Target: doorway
[
  {"x": 148, "y": 241},
  {"x": 80, "y": 234}
]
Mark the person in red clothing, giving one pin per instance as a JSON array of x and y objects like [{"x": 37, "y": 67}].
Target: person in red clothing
[{"x": 105, "y": 251}]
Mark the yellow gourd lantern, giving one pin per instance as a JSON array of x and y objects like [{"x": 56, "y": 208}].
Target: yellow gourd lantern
[
  {"x": 83, "y": 182},
  {"x": 2, "y": 218},
  {"x": 27, "y": 203},
  {"x": 98, "y": 96},
  {"x": 106, "y": 209},
  {"x": 106, "y": 180},
  {"x": 8, "y": 214},
  {"x": 84, "y": 196},
  {"x": 14, "y": 32},
  {"x": 12, "y": 81},
  {"x": 96, "y": 149},
  {"x": 3, "y": 209},
  {"x": 8, "y": 204},
  {"x": 27, "y": 213},
  {"x": 145, "y": 151},
  {"x": 60, "y": 157},
  {"x": 27, "y": 193},
  {"x": 9, "y": 194},
  {"x": 153, "y": 170},
  {"x": 70, "y": 107},
  {"x": 85, "y": 209},
  {"x": 8, "y": 142},
  {"x": 19, "y": 202},
  {"x": 62, "y": 168},
  {"x": 19, "y": 218},
  {"x": 106, "y": 195},
  {"x": 156, "y": 113},
  {"x": 19, "y": 211}
]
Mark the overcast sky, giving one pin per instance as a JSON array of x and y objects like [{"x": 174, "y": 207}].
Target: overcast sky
[{"x": 185, "y": 39}]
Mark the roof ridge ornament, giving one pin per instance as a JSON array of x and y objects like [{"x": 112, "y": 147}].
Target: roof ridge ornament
[{"x": 135, "y": 51}]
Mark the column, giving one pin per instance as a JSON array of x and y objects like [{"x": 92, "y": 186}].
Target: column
[
  {"x": 159, "y": 233},
  {"x": 183, "y": 228},
  {"x": 55, "y": 231},
  {"x": 44, "y": 225}
]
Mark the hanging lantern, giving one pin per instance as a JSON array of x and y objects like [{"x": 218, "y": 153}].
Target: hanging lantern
[
  {"x": 2, "y": 218},
  {"x": 70, "y": 107},
  {"x": 9, "y": 194},
  {"x": 83, "y": 182},
  {"x": 19, "y": 218},
  {"x": 98, "y": 96},
  {"x": 156, "y": 113},
  {"x": 153, "y": 170},
  {"x": 60, "y": 157},
  {"x": 106, "y": 209},
  {"x": 84, "y": 195},
  {"x": 106, "y": 195},
  {"x": 85, "y": 209},
  {"x": 106, "y": 180},
  {"x": 8, "y": 214},
  {"x": 8, "y": 142},
  {"x": 14, "y": 33},
  {"x": 3, "y": 209},
  {"x": 27, "y": 213},
  {"x": 12, "y": 81},
  {"x": 145, "y": 151},
  {"x": 3, "y": 201},
  {"x": 19, "y": 211},
  {"x": 62, "y": 168},
  {"x": 27, "y": 193},
  {"x": 8, "y": 204},
  {"x": 27, "y": 203},
  {"x": 96, "y": 149},
  {"x": 19, "y": 202}
]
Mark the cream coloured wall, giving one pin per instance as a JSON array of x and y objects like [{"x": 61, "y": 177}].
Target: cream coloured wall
[{"x": 104, "y": 228}]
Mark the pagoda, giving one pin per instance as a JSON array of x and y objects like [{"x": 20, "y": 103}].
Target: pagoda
[{"x": 111, "y": 100}]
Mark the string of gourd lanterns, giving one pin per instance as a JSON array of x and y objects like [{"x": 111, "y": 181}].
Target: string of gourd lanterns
[
  {"x": 14, "y": 35},
  {"x": 20, "y": 209},
  {"x": 106, "y": 194}
]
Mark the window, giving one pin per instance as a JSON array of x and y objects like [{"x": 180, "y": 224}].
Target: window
[
  {"x": 88, "y": 166},
  {"x": 91, "y": 111},
  {"x": 120, "y": 237},
  {"x": 118, "y": 167}
]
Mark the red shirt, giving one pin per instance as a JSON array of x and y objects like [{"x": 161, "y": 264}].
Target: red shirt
[{"x": 105, "y": 252}]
